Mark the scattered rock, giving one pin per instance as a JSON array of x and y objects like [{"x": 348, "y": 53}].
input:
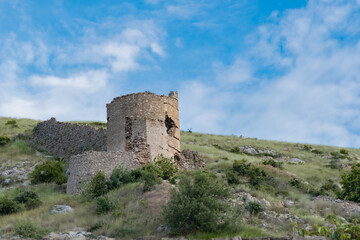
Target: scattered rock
[
  {"x": 189, "y": 159},
  {"x": 348, "y": 208},
  {"x": 16, "y": 174},
  {"x": 248, "y": 150},
  {"x": 241, "y": 198},
  {"x": 258, "y": 152},
  {"x": 288, "y": 203},
  {"x": 59, "y": 209}
]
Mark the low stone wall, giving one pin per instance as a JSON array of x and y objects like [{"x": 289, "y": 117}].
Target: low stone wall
[
  {"x": 66, "y": 139},
  {"x": 83, "y": 167}
]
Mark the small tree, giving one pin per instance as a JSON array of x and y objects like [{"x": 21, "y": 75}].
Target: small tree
[
  {"x": 97, "y": 186},
  {"x": 166, "y": 166},
  {"x": 198, "y": 205},
  {"x": 351, "y": 184}
]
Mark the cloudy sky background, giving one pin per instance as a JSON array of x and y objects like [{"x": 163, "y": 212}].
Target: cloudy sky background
[{"x": 279, "y": 70}]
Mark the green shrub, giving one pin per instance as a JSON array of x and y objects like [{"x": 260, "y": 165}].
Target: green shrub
[
  {"x": 241, "y": 167},
  {"x": 173, "y": 180},
  {"x": 337, "y": 155},
  {"x": 296, "y": 183},
  {"x": 344, "y": 151},
  {"x": 166, "y": 166},
  {"x": 350, "y": 183},
  {"x": 29, "y": 230},
  {"x": 316, "y": 151},
  {"x": 235, "y": 150},
  {"x": 150, "y": 179},
  {"x": 104, "y": 205},
  {"x": 151, "y": 168},
  {"x": 273, "y": 163},
  {"x": 149, "y": 174},
  {"x": 49, "y": 172},
  {"x": 339, "y": 230},
  {"x": 330, "y": 188},
  {"x": 12, "y": 123},
  {"x": 122, "y": 176},
  {"x": 8, "y": 206},
  {"x": 198, "y": 205},
  {"x": 29, "y": 198},
  {"x": 254, "y": 207},
  {"x": 97, "y": 186},
  {"x": 307, "y": 147},
  {"x": 256, "y": 176},
  {"x": 4, "y": 140},
  {"x": 232, "y": 177}
]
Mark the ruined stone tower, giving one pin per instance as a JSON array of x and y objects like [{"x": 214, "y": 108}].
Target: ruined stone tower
[
  {"x": 140, "y": 127},
  {"x": 145, "y": 123}
]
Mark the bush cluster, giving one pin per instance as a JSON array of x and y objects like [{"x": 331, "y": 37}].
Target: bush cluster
[
  {"x": 8, "y": 206},
  {"x": 338, "y": 230},
  {"x": 4, "y": 140},
  {"x": 330, "y": 188},
  {"x": 166, "y": 167},
  {"x": 104, "y": 205},
  {"x": 305, "y": 187},
  {"x": 23, "y": 199},
  {"x": 254, "y": 207},
  {"x": 11, "y": 123},
  {"x": 198, "y": 205},
  {"x": 350, "y": 182},
  {"x": 97, "y": 186},
  {"x": 49, "y": 172},
  {"x": 344, "y": 151},
  {"x": 273, "y": 163},
  {"x": 241, "y": 168},
  {"x": 29, "y": 230},
  {"x": 29, "y": 198},
  {"x": 150, "y": 174}
]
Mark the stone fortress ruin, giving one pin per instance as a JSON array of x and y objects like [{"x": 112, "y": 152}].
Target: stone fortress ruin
[{"x": 140, "y": 127}]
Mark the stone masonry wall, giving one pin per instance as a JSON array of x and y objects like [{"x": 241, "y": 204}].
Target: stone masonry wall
[
  {"x": 144, "y": 121},
  {"x": 66, "y": 139},
  {"x": 83, "y": 167}
]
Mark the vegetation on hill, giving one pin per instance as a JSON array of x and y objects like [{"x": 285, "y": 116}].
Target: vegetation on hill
[{"x": 249, "y": 188}]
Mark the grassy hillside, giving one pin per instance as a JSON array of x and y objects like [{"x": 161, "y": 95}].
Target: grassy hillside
[{"x": 287, "y": 193}]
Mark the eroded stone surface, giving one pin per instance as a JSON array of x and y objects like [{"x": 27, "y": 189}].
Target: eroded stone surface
[{"x": 66, "y": 139}]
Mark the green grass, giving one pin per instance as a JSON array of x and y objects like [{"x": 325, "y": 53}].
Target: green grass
[
  {"x": 139, "y": 214},
  {"x": 24, "y": 126},
  {"x": 95, "y": 124}
]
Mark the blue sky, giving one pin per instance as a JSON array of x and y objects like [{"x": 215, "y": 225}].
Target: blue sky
[{"x": 279, "y": 70}]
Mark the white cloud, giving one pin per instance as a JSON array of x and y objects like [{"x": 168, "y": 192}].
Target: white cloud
[
  {"x": 74, "y": 80},
  {"x": 89, "y": 82},
  {"x": 203, "y": 108},
  {"x": 239, "y": 72},
  {"x": 121, "y": 52},
  {"x": 313, "y": 92},
  {"x": 186, "y": 9},
  {"x": 156, "y": 48}
]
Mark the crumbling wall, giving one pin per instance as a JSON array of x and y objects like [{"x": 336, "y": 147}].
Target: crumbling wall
[
  {"x": 66, "y": 139},
  {"x": 83, "y": 167},
  {"x": 144, "y": 121}
]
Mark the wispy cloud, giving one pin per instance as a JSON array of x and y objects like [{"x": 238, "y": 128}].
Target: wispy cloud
[
  {"x": 73, "y": 81},
  {"x": 308, "y": 65}
]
